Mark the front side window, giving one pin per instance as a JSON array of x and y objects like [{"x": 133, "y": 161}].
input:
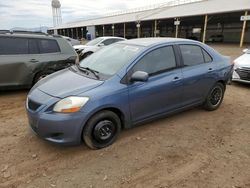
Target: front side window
[
  {"x": 94, "y": 41},
  {"x": 108, "y": 42},
  {"x": 48, "y": 46},
  {"x": 13, "y": 46},
  {"x": 157, "y": 61},
  {"x": 194, "y": 55}
]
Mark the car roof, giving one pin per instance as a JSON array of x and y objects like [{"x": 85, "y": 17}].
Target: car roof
[
  {"x": 153, "y": 41},
  {"x": 111, "y": 37}
]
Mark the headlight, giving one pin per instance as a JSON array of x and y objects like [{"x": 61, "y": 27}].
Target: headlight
[{"x": 70, "y": 104}]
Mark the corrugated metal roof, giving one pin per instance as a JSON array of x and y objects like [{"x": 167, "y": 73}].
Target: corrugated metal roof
[{"x": 190, "y": 9}]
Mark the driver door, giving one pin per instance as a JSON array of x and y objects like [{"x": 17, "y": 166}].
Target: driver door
[{"x": 162, "y": 92}]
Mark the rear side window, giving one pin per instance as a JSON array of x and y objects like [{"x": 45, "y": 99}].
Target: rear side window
[
  {"x": 191, "y": 55},
  {"x": 48, "y": 46},
  {"x": 157, "y": 61},
  {"x": 207, "y": 57},
  {"x": 13, "y": 46}
]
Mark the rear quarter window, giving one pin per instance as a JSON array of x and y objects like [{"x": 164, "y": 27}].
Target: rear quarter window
[{"x": 48, "y": 46}]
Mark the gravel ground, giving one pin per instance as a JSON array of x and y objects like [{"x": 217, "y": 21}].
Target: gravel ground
[{"x": 192, "y": 149}]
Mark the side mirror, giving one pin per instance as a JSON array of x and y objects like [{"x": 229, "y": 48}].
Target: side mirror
[
  {"x": 101, "y": 45},
  {"x": 245, "y": 50},
  {"x": 139, "y": 76}
]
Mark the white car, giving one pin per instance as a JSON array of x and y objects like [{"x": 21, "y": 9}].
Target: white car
[
  {"x": 72, "y": 41},
  {"x": 242, "y": 68},
  {"x": 95, "y": 45}
]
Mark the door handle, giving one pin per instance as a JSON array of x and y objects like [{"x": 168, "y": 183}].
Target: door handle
[
  {"x": 33, "y": 61},
  {"x": 176, "y": 79},
  {"x": 210, "y": 69}
]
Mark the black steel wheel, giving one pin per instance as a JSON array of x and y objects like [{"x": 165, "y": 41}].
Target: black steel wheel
[
  {"x": 101, "y": 130},
  {"x": 215, "y": 97}
]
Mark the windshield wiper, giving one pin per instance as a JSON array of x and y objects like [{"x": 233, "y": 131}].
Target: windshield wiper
[
  {"x": 81, "y": 68},
  {"x": 87, "y": 70},
  {"x": 94, "y": 72}
]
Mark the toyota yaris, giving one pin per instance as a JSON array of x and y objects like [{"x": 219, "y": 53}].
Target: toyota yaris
[{"x": 125, "y": 84}]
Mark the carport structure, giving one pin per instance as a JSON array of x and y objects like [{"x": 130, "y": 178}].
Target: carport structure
[{"x": 204, "y": 20}]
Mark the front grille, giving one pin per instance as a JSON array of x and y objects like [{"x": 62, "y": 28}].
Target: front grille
[
  {"x": 33, "y": 105},
  {"x": 244, "y": 73}
]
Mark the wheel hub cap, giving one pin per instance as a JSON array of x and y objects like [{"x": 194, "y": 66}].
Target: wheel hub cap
[{"x": 104, "y": 130}]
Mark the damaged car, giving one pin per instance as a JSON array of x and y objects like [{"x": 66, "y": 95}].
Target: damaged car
[{"x": 26, "y": 58}]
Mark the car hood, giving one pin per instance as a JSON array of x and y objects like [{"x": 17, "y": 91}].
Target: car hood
[
  {"x": 79, "y": 46},
  {"x": 243, "y": 61},
  {"x": 66, "y": 83},
  {"x": 86, "y": 48}
]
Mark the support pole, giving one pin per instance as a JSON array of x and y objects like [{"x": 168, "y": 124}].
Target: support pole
[
  {"x": 155, "y": 28},
  {"x": 113, "y": 30},
  {"x": 176, "y": 29},
  {"x": 243, "y": 31},
  {"x": 103, "y": 30},
  {"x": 124, "y": 30},
  {"x": 138, "y": 25},
  {"x": 205, "y": 29},
  {"x": 77, "y": 33}
]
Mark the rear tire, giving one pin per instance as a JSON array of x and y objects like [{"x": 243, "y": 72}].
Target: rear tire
[
  {"x": 101, "y": 130},
  {"x": 215, "y": 97}
]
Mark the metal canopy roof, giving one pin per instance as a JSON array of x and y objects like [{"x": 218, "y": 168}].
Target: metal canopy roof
[{"x": 184, "y": 10}]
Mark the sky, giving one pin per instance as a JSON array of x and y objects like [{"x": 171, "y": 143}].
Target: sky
[{"x": 37, "y": 13}]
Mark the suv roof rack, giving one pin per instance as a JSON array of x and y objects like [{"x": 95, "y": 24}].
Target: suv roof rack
[
  {"x": 29, "y": 32},
  {"x": 4, "y": 31},
  {"x": 23, "y": 32}
]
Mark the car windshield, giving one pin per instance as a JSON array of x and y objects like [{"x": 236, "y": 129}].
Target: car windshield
[
  {"x": 111, "y": 59},
  {"x": 94, "y": 42}
]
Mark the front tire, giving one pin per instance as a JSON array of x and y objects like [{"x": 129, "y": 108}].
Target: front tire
[
  {"x": 215, "y": 97},
  {"x": 101, "y": 130}
]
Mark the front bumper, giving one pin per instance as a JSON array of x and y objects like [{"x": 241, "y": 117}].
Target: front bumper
[
  {"x": 62, "y": 129},
  {"x": 59, "y": 128},
  {"x": 241, "y": 75}
]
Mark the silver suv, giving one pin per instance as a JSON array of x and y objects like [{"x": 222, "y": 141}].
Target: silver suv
[{"x": 27, "y": 57}]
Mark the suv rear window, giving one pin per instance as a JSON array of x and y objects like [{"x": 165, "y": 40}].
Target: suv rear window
[
  {"x": 12, "y": 46},
  {"x": 48, "y": 46}
]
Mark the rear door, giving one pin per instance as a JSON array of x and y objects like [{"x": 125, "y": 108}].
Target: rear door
[
  {"x": 163, "y": 90},
  {"x": 198, "y": 73}
]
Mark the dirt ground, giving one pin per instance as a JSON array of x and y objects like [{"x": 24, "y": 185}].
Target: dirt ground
[{"x": 192, "y": 149}]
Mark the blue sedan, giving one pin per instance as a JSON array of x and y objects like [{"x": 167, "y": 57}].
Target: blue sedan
[{"x": 123, "y": 85}]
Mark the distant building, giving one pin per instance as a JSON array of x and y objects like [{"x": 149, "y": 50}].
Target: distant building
[{"x": 203, "y": 20}]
